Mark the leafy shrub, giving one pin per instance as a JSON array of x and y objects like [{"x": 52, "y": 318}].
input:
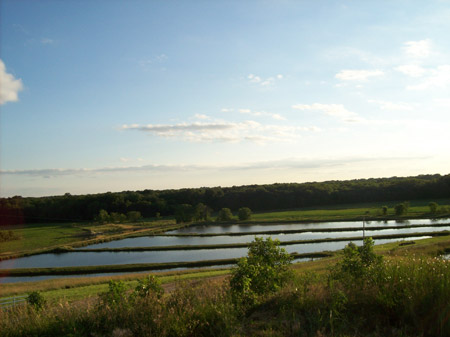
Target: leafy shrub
[
  {"x": 36, "y": 300},
  {"x": 263, "y": 271},
  {"x": 149, "y": 285},
  {"x": 244, "y": 213},
  {"x": 225, "y": 215},
  {"x": 115, "y": 294}
]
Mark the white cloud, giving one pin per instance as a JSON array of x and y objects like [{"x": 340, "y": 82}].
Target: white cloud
[
  {"x": 9, "y": 86},
  {"x": 411, "y": 70},
  {"x": 252, "y": 78},
  {"x": 262, "y": 113},
  {"x": 438, "y": 78},
  {"x": 357, "y": 75},
  {"x": 334, "y": 110},
  {"x": 385, "y": 105},
  {"x": 418, "y": 49},
  {"x": 201, "y": 116},
  {"x": 224, "y": 131},
  {"x": 287, "y": 163}
]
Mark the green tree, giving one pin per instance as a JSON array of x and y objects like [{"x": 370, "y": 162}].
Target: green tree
[
  {"x": 400, "y": 209},
  {"x": 244, "y": 213},
  {"x": 263, "y": 271},
  {"x": 134, "y": 216},
  {"x": 433, "y": 207},
  {"x": 225, "y": 215},
  {"x": 103, "y": 216},
  {"x": 36, "y": 300},
  {"x": 184, "y": 213},
  {"x": 202, "y": 212}
]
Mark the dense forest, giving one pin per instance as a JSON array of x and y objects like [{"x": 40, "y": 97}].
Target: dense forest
[{"x": 152, "y": 203}]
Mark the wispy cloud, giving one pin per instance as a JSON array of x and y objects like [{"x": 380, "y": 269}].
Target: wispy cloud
[
  {"x": 412, "y": 70},
  {"x": 358, "y": 75},
  {"x": 288, "y": 163},
  {"x": 9, "y": 86},
  {"x": 436, "y": 78},
  {"x": 252, "y": 78},
  {"x": 418, "y": 49},
  {"x": 221, "y": 131},
  {"x": 47, "y": 40},
  {"x": 386, "y": 105},
  {"x": 333, "y": 110},
  {"x": 262, "y": 113}
]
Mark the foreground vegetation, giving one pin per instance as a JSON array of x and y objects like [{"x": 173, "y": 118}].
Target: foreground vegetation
[{"x": 360, "y": 294}]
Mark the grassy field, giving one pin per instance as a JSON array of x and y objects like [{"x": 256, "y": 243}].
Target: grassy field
[
  {"x": 35, "y": 238},
  {"x": 418, "y": 208}
]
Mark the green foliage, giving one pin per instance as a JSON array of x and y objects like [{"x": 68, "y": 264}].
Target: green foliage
[
  {"x": 184, "y": 213},
  {"x": 202, "y": 212},
  {"x": 244, "y": 213},
  {"x": 263, "y": 271},
  {"x": 36, "y": 300},
  {"x": 149, "y": 285},
  {"x": 225, "y": 215},
  {"x": 401, "y": 209},
  {"x": 134, "y": 216},
  {"x": 102, "y": 216},
  {"x": 358, "y": 263},
  {"x": 115, "y": 294},
  {"x": 8, "y": 235},
  {"x": 433, "y": 207}
]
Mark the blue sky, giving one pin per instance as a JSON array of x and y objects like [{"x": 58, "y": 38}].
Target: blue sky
[{"x": 128, "y": 95}]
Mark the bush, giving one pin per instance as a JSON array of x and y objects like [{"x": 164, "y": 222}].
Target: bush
[
  {"x": 433, "y": 207},
  {"x": 263, "y": 271},
  {"x": 36, "y": 300},
  {"x": 225, "y": 215},
  {"x": 244, "y": 213},
  {"x": 115, "y": 294},
  {"x": 149, "y": 285}
]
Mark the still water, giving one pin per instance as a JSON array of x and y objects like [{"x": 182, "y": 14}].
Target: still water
[
  {"x": 267, "y": 227},
  {"x": 154, "y": 241}
]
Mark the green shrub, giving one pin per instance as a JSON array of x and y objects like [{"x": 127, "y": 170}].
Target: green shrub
[
  {"x": 115, "y": 294},
  {"x": 263, "y": 271},
  {"x": 225, "y": 215},
  {"x": 149, "y": 285},
  {"x": 244, "y": 213},
  {"x": 36, "y": 300}
]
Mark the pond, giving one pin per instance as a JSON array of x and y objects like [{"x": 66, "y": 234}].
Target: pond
[
  {"x": 154, "y": 241},
  {"x": 203, "y": 229}
]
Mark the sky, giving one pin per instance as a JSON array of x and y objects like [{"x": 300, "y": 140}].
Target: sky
[{"x": 100, "y": 96}]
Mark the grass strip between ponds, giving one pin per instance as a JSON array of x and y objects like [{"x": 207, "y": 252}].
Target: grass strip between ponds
[
  {"x": 246, "y": 244},
  {"x": 309, "y": 230},
  {"x": 80, "y": 270}
]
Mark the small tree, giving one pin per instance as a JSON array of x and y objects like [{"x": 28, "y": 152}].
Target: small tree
[
  {"x": 244, "y": 213},
  {"x": 400, "y": 209},
  {"x": 433, "y": 207},
  {"x": 263, "y": 271},
  {"x": 36, "y": 300},
  {"x": 134, "y": 216},
  {"x": 149, "y": 285},
  {"x": 225, "y": 215},
  {"x": 103, "y": 216},
  {"x": 184, "y": 213}
]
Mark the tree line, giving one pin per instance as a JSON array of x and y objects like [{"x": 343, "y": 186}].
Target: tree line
[{"x": 154, "y": 203}]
